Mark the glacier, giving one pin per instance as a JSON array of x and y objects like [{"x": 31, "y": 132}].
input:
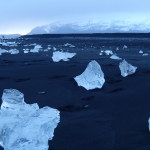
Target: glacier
[
  {"x": 114, "y": 26},
  {"x": 92, "y": 77},
  {"x": 25, "y": 126},
  {"x": 65, "y": 56},
  {"x": 126, "y": 68}
]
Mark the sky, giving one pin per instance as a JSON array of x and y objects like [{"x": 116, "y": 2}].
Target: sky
[{"x": 20, "y": 16}]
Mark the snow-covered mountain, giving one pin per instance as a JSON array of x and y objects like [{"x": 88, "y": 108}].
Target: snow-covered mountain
[
  {"x": 113, "y": 27},
  {"x": 9, "y": 36}
]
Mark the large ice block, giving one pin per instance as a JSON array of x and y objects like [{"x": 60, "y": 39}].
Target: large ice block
[
  {"x": 92, "y": 77},
  {"x": 25, "y": 126}
]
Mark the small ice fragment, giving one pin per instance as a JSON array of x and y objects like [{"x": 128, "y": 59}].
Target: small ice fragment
[
  {"x": 41, "y": 93},
  {"x": 126, "y": 68},
  {"x": 25, "y": 126},
  {"x": 117, "y": 48},
  {"x": 70, "y": 45},
  {"x": 146, "y": 54},
  {"x": 115, "y": 57},
  {"x": 125, "y": 47},
  {"x": 26, "y": 51},
  {"x": 140, "y": 52},
  {"x": 2, "y": 51},
  {"x": 54, "y": 48},
  {"x": 92, "y": 77},
  {"x": 36, "y": 49},
  {"x": 65, "y": 56},
  {"x": 108, "y": 52},
  {"x": 13, "y": 51},
  {"x": 101, "y": 53}
]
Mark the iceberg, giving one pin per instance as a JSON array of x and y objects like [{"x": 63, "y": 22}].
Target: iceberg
[
  {"x": 65, "y": 56},
  {"x": 36, "y": 49},
  {"x": 24, "y": 126},
  {"x": 126, "y": 68},
  {"x": 92, "y": 77},
  {"x": 115, "y": 57}
]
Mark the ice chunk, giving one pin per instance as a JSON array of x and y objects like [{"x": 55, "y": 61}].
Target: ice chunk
[
  {"x": 125, "y": 47},
  {"x": 36, "y": 49},
  {"x": 115, "y": 57},
  {"x": 117, "y": 48},
  {"x": 65, "y": 56},
  {"x": 13, "y": 51},
  {"x": 141, "y": 52},
  {"x": 126, "y": 68},
  {"x": 54, "y": 48},
  {"x": 108, "y": 52},
  {"x": 146, "y": 54},
  {"x": 69, "y": 45},
  {"x": 25, "y": 126},
  {"x": 92, "y": 77},
  {"x": 2, "y": 51}
]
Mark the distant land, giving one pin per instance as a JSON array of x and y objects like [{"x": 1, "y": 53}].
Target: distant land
[
  {"x": 103, "y": 35},
  {"x": 112, "y": 27},
  {"x": 9, "y": 36}
]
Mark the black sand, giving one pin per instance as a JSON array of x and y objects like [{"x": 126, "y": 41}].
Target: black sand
[{"x": 112, "y": 118}]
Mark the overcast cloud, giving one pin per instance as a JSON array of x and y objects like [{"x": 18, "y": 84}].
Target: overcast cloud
[{"x": 20, "y": 16}]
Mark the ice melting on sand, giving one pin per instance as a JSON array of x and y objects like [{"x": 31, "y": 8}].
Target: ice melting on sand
[
  {"x": 65, "y": 56},
  {"x": 92, "y": 77},
  {"x": 126, "y": 68},
  {"x": 24, "y": 126},
  {"x": 125, "y": 47},
  {"x": 146, "y": 54},
  {"x": 14, "y": 51},
  {"x": 106, "y": 52},
  {"x": 2, "y": 51},
  {"x": 140, "y": 52},
  {"x": 36, "y": 49},
  {"x": 115, "y": 57}
]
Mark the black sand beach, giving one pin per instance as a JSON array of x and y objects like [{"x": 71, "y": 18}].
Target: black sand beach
[{"x": 112, "y": 118}]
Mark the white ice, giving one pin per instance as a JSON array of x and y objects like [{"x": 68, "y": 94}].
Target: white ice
[
  {"x": 65, "y": 56},
  {"x": 25, "y": 126},
  {"x": 140, "y": 52},
  {"x": 125, "y": 47},
  {"x": 13, "y": 51},
  {"x": 126, "y": 68},
  {"x": 115, "y": 57},
  {"x": 92, "y": 77},
  {"x": 146, "y": 54},
  {"x": 69, "y": 45},
  {"x": 36, "y": 49},
  {"x": 2, "y": 51}
]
